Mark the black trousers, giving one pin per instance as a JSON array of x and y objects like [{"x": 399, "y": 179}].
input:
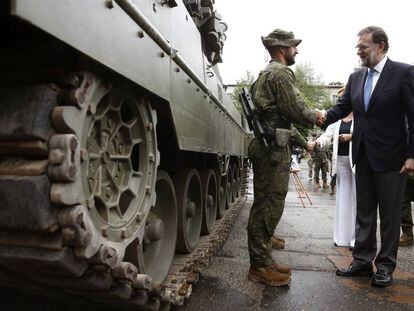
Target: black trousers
[{"x": 377, "y": 191}]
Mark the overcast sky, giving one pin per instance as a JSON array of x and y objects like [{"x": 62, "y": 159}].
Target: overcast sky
[{"x": 328, "y": 30}]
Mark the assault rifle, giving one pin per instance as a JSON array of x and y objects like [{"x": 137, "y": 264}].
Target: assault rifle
[{"x": 252, "y": 116}]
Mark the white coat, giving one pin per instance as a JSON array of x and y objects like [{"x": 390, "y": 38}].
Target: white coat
[{"x": 345, "y": 211}]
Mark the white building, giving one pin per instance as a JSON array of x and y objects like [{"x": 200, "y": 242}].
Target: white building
[{"x": 333, "y": 89}]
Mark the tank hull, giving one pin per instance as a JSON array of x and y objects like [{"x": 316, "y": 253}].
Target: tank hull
[{"x": 122, "y": 161}]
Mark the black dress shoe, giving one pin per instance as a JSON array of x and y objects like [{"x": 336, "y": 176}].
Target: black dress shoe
[
  {"x": 356, "y": 269},
  {"x": 382, "y": 279}
]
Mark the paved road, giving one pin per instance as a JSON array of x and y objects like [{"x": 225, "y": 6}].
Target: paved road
[{"x": 311, "y": 253}]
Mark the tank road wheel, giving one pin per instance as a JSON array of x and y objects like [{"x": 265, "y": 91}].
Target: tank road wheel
[
  {"x": 118, "y": 161},
  {"x": 190, "y": 202},
  {"x": 161, "y": 230},
  {"x": 238, "y": 181},
  {"x": 121, "y": 171},
  {"x": 210, "y": 198},
  {"x": 222, "y": 190},
  {"x": 229, "y": 187},
  {"x": 235, "y": 181}
]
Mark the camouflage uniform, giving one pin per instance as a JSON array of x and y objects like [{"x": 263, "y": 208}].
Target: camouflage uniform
[
  {"x": 297, "y": 138},
  {"x": 310, "y": 165},
  {"x": 406, "y": 217},
  {"x": 320, "y": 163},
  {"x": 311, "y": 160},
  {"x": 279, "y": 104}
]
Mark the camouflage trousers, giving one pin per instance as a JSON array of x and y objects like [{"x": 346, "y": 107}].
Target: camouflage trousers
[
  {"x": 310, "y": 167},
  {"x": 406, "y": 216},
  {"x": 318, "y": 165},
  {"x": 271, "y": 178}
]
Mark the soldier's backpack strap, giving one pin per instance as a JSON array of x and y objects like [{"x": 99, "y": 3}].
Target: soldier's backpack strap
[{"x": 253, "y": 87}]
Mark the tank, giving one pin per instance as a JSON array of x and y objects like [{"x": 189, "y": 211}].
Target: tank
[{"x": 121, "y": 157}]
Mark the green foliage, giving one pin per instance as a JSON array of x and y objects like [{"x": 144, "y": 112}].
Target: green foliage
[
  {"x": 309, "y": 84},
  {"x": 312, "y": 90},
  {"x": 245, "y": 81},
  {"x": 311, "y": 87}
]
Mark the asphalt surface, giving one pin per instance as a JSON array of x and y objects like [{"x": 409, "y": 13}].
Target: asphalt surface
[
  {"x": 314, "y": 258},
  {"x": 309, "y": 251}
]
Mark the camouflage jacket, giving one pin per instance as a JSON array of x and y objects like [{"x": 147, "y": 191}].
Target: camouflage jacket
[
  {"x": 296, "y": 138},
  {"x": 319, "y": 154},
  {"x": 278, "y": 99}
]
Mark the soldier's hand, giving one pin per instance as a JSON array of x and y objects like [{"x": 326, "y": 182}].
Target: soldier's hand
[
  {"x": 320, "y": 117},
  {"x": 311, "y": 145}
]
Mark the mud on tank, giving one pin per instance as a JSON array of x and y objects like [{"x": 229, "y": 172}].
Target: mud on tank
[{"x": 118, "y": 145}]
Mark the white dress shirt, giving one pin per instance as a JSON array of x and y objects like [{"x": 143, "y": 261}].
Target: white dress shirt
[{"x": 378, "y": 69}]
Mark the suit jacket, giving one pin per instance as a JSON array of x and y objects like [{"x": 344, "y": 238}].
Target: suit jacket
[{"x": 386, "y": 128}]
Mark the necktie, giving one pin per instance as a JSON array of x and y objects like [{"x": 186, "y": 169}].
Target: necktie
[{"x": 368, "y": 88}]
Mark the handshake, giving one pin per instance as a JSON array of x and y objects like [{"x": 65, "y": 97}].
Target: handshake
[{"x": 320, "y": 117}]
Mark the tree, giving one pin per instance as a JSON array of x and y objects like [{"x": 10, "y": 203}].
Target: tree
[
  {"x": 245, "y": 81},
  {"x": 311, "y": 87},
  {"x": 312, "y": 90},
  {"x": 309, "y": 84}
]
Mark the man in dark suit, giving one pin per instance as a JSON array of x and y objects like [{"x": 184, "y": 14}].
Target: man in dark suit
[{"x": 382, "y": 99}]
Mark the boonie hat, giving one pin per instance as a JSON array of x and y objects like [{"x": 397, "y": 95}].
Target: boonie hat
[{"x": 279, "y": 37}]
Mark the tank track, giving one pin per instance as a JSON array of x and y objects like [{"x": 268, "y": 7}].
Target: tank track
[
  {"x": 116, "y": 287},
  {"x": 47, "y": 242}
]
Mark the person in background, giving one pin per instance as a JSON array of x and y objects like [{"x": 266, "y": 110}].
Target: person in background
[
  {"x": 320, "y": 163},
  {"x": 297, "y": 153},
  {"x": 407, "y": 238},
  {"x": 310, "y": 159},
  {"x": 340, "y": 133}
]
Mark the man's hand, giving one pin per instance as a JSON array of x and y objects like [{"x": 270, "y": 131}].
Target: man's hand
[
  {"x": 408, "y": 166},
  {"x": 320, "y": 117}
]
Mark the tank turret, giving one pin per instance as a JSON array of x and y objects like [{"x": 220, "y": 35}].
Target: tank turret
[{"x": 211, "y": 27}]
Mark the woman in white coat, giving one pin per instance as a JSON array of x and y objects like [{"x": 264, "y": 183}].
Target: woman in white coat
[{"x": 345, "y": 213}]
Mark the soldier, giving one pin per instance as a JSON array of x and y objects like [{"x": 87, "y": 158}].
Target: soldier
[
  {"x": 279, "y": 104},
  {"x": 406, "y": 238},
  {"x": 310, "y": 160},
  {"x": 296, "y": 140},
  {"x": 310, "y": 166},
  {"x": 320, "y": 163}
]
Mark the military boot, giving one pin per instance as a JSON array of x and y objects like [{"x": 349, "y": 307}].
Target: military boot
[
  {"x": 281, "y": 268},
  {"x": 317, "y": 184},
  {"x": 278, "y": 243},
  {"x": 407, "y": 238},
  {"x": 269, "y": 276},
  {"x": 325, "y": 185}
]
